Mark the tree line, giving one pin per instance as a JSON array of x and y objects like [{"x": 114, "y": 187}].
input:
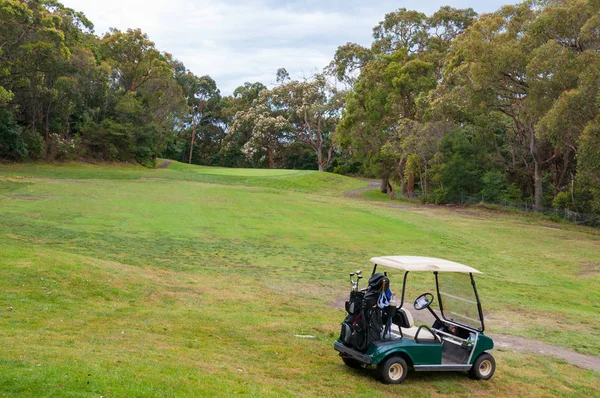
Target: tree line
[{"x": 504, "y": 105}]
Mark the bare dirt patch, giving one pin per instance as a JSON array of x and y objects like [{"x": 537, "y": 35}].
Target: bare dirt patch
[
  {"x": 400, "y": 207},
  {"x": 33, "y": 197},
  {"x": 590, "y": 269},
  {"x": 81, "y": 182}
]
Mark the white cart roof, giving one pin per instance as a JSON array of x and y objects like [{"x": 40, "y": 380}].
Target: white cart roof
[{"x": 422, "y": 264}]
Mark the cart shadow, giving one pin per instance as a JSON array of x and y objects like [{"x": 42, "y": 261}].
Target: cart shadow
[{"x": 414, "y": 376}]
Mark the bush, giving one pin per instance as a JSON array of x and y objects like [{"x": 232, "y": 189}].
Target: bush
[
  {"x": 562, "y": 201},
  {"x": 494, "y": 186},
  {"x": 461, "y": 173},
  {"x": 346, "y": 165},
  {"x": 513, "y": 193},
  {"x": 298, "y": 156},
  {"x": 35, "y": 144},
  {"x": 61, "y": 148},
  {"x": 12, "y": 146}
]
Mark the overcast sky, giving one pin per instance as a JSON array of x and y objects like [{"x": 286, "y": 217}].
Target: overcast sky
[{"x": 247, "y": 41}]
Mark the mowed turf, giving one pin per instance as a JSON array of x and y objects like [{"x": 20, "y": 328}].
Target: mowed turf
[{"x": 191, "y": 281}]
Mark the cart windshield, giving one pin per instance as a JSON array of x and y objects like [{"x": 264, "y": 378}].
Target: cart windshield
[{"x": 457, "y": 299}]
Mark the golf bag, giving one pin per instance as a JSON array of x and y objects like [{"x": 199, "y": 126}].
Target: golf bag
[
  {"x": 353, "y": 325},
  {"x": 364, "y": 322}
]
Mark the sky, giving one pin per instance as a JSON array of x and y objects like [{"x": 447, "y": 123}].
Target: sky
[{"x": 247, "y": 41}]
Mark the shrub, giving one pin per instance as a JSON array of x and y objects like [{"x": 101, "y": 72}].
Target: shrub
[
  {"x": 35, "y": 144},
  {"x": 12, "y": 146},
  {"x": 562, "y": 201},
  {"x": 493, "y": 185},
  {"x": 61, "y": 148}
]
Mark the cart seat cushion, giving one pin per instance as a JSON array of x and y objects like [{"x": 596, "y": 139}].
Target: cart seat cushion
[{"x": 403, "y": 318}]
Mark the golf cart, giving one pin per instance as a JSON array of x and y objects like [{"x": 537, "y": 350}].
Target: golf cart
[{"x": 379, "y": 332}]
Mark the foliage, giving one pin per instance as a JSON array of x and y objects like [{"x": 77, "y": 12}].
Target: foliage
[
  {"x": 460, "y": 172},
  {"x": 521, "y": 83},
  {"x": 12, "y": 146},
  {"x": 385, "y": 110}
]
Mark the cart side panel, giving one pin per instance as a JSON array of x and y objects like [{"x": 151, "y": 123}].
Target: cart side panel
[
  {"x": 419, "y": 354},
  {"x": 484, "y": 343}
]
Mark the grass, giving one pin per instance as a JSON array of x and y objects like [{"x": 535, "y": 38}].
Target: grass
[{"x": 192, "y": 281}]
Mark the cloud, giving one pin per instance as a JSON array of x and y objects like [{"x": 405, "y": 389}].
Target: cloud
[{"x": 235, "y": 41}]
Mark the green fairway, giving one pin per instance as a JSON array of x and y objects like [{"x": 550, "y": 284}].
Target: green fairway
[{"x": 191, "y": 281}]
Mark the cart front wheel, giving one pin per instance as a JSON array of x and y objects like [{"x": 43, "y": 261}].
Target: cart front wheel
[
  {"x": 393, "y": 370},
  {"x": 483, "y": 367}
]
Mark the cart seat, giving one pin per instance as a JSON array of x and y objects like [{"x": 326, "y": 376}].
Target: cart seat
[{"x": 411, "y": 330}]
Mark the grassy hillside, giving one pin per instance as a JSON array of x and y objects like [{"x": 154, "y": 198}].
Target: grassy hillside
[{"x": 121, "y": 281}]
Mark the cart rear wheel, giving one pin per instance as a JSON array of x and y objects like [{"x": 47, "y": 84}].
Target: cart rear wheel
[
  {"x": 353, "y": 363},
  {"x": 483, "y": 367},
  {"x": 393, "y": 370}
]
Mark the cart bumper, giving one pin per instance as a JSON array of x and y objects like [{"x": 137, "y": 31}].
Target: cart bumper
[{"x": 351, "y": 353}]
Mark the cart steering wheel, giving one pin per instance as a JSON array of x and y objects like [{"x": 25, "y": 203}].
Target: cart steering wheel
[{"x": 423, "y": 301}]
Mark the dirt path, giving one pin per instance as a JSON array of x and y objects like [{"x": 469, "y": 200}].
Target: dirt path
[
  {"x": 522, "y": 344},
  {"x": 374, "y": 185},
  {"x": 164, "y": 164},
  {"x": 356, "y": 192}
]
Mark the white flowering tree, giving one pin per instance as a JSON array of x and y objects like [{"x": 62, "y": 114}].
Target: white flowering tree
[
  {"x": 268, "y": 127},
  {"x": 312, "y": 108},
  {"x": 295, "y": 111}
]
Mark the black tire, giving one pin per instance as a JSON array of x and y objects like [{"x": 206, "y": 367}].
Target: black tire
[
  {"x": 353, "y": 363},
  {"x": 393, "y": 370},
  {"x": 483, "y": 367}
]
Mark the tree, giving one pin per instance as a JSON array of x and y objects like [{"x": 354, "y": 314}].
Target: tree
[
  {"x": 198, "y": 92},
  {"x": 347, "y": 62},
  {"x": 268, "y": 127},
  {"x": 519, "y": 61},
  {"x": 243, "y": 97},
  {"x": 311, "y": 108},
  {"x": 133, "y": 57},
  {"x": 397, "y": 75}
]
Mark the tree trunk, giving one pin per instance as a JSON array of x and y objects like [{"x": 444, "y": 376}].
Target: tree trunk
[
  {"x": 402, "y": 175},
  {"x": 538, "y": 186},
  {"x": 271, "y": 161},
  {"x": 47, "y": 128},
  {"x": 319, "y": 151},
  {"x": 193, "y": 138},
  {"x": 403, "y": 190},
  {"x": 385, "y": 182},
  {"x": 411, "y": 184},
  {"x": 537, "y": 173},
  {"x": 320, "y": 158}
]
